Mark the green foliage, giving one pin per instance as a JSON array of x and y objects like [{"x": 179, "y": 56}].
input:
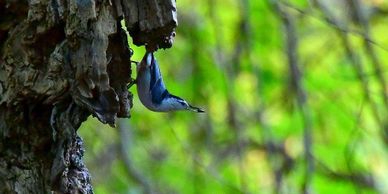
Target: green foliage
[{"x": 230, "y": 58}]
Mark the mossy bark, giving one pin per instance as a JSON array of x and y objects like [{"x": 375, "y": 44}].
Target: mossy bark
[{"x": 61, "y": 61}]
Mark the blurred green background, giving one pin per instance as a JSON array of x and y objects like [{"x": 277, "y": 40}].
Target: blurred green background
[{"x": 296, "y": 99}]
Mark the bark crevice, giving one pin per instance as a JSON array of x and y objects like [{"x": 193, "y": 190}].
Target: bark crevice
[{"x": 61, "y": 61}]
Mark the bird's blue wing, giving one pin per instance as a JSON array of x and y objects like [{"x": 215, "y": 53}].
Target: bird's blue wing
[
  {"x": 153, "y": 71},
  {"x": 157, "y": 88},
  {"x": 158, "y": 93}
]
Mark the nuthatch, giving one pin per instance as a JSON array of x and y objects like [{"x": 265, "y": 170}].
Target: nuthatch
[{"x": 152, "y": 91}]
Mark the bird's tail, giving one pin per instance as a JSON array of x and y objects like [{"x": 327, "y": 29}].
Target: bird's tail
[{"x": 196, "y": 109}]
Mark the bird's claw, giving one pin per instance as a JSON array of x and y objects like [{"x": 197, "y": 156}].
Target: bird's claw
[
  {"x": 131, "y": 83},
  {"x": 135, "y": 62}
]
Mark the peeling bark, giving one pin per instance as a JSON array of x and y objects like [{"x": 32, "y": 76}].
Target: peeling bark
[
  {"x": 151, "y": 22},
  {"x": 61, "y": 61}
]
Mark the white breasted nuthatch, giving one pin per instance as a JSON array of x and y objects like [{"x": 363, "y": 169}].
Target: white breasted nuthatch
[{"x": 152, "y": 91}]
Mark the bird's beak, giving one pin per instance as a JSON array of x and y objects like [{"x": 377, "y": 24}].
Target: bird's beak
[{"x": 196, "y": 109}]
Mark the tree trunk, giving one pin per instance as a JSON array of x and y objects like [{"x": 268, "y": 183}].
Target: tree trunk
[{"x": 62, "y": 60}]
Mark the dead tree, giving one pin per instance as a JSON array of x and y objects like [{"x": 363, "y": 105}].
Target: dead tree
[{"x": 61, "y": 61}]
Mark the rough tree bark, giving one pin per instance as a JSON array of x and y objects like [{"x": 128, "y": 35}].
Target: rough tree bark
[{"x": 62, "y": 60}]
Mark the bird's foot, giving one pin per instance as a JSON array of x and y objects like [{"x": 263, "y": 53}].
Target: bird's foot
[
  {"x": 131, "y": 83},
  {"x": 135, "y": 62}
]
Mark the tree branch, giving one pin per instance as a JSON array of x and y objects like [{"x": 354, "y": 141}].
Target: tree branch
[
  {"x": 125, "y": 154},
  {"x": 301, "y": 95}
]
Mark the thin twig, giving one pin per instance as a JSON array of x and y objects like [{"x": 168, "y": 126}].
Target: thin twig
[
  {"x": 349, "y": 151},
  {"x": 356, "y": 7},
  {"x": 355, "y": 61},
  {"x": 232, "y": 67},
  {"x": 301, "y": 95},
  {"x": 361, "y": 179},
  {"x": 125, "y": 137},
  {"x": 370, "y": 49},
  {"x": 206, "y": 168},
  {"x": 336, "y": 25},
  {"x": 272, "y": 149}
]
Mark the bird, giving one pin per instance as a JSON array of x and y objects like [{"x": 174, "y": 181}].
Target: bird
[{"x": 152, "y": 91}]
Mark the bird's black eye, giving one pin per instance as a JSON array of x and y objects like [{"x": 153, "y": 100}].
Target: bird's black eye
[
  {"x": 179, "y": 100},
  {"x": 182, "y": 102}
]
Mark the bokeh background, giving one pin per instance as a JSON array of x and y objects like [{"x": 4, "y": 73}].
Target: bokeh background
[{"x": 296, "y": 98}]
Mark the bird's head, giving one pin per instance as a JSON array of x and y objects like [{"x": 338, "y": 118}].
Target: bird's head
[{"x": 180, "y": 104}]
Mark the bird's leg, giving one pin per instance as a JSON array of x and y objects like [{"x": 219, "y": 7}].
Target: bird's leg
[
  {"x": 133, "y": 81},
  {"x": 135, "y": 62}
]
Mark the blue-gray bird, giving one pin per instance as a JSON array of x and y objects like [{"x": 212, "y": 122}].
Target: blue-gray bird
[{"x": 152, "y": 91}]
